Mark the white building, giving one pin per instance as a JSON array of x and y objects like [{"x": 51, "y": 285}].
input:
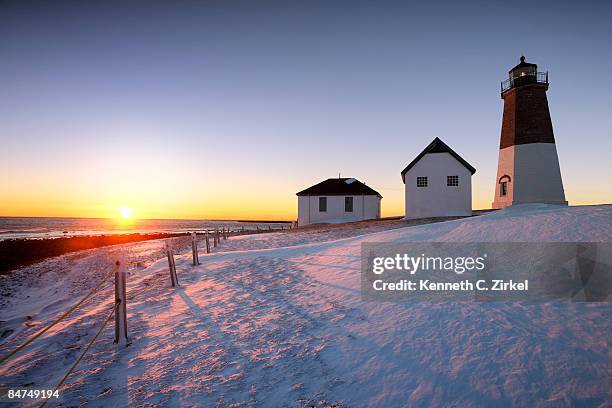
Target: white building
[
  {"x": 438, "y": 183},
  {"x": 337, "y": 200}
]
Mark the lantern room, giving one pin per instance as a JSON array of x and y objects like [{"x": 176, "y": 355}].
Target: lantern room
[{"x": 522, "y": 74}]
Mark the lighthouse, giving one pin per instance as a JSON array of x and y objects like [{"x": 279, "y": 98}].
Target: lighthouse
[{"x": 528, "y": 166}]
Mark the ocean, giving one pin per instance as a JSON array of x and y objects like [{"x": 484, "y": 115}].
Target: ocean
[{"x": 26, "y": 227}]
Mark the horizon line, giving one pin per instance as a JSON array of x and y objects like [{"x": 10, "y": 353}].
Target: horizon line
[{"x": 144, "y": 219}]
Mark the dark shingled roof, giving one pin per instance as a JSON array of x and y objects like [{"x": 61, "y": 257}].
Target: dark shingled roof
[
  {"x": 339, "y": 186},
  {"x": 437, "y": 146}
]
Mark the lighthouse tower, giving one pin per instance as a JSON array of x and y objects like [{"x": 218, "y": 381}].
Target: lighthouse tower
[{"x": 528, "y": 167}]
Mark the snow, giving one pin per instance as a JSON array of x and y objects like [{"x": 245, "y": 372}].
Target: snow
[{"x": 278, "y": 320}]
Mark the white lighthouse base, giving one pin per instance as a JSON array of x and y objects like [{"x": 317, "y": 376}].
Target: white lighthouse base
[{"x": 532, "y": 175}]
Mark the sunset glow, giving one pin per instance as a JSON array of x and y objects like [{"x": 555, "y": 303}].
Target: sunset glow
[{"x": 125, "y": 212}]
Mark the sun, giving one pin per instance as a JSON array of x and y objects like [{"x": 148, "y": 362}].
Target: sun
[{"x": 125, "y": 212}]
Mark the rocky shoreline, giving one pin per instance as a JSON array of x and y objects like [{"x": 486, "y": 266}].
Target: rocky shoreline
[{"x": 16, "y": 253}]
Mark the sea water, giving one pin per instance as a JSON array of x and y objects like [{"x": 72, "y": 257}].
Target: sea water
[{"x": 38, "y": 227}]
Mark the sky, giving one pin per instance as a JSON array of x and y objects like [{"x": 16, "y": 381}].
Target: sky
[{"x": 224, "y": 110}]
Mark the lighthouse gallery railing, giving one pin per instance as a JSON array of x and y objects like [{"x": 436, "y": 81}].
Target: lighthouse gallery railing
[{"x": 529, "y": 78}]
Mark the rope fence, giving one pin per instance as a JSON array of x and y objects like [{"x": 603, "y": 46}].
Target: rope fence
[
  {"x": 59, "y": 319},
  {"x": 119, "y": 310},
  {"x": 78, "y": 360}
]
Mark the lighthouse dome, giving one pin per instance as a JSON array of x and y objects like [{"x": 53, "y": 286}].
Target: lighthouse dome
[{"x": 523, "y": 68}]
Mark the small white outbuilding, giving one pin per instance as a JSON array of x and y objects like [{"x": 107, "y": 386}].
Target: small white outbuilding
[
  {"x": 337, "y": 200},
  {"x": 438, "y": 183}
]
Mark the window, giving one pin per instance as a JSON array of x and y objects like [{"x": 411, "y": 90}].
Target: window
[
  {"x": 452, "y": 181},
  {"x": 503, "y": 185},
  {"x": 322, "y": 204},
  {"x": 348, "y": 204},
  {"x": 421, "y": 181}
]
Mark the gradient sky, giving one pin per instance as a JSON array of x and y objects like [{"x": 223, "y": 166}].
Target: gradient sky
[{"x": 227, "y": 109}]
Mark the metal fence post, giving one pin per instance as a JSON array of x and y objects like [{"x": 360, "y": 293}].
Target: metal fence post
[
  {"x": 121, "y": 337},
  {"x": 216, "y": 238},
  {"x": 194, "y": 249},
  {"x": 207, "y": 243},
  {"x": 171, "y": 265}
]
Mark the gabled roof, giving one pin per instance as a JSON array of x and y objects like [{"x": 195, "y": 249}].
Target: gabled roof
[
  {"x": 437, "y": 146},
  {"x": 339, "y": 186}
]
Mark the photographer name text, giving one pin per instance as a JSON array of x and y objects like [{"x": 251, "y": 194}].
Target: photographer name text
[{"x": 425, "y": 285}]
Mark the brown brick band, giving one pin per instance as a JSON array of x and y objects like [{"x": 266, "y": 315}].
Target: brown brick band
[{"x": 526, "y": 116}]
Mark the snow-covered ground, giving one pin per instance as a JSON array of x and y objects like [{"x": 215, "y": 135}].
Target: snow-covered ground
[{"x": 284, "y": 325}]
